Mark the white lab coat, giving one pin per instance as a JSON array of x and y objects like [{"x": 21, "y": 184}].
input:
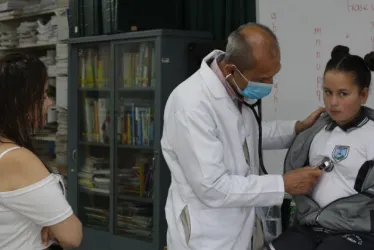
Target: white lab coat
[{"x": 213, "y": 192}]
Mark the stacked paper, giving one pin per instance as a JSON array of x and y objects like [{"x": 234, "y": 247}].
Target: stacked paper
[
  {"x": 8, "y": 39},
  {"x": 95, "y": 175},
  {"x": 50, "y": 62},
  {"x": 47, "y": 4},
  {"x": 34, "y": 6},
  {"x": 27, "y": 34},
  {"x": 61, "y": 142},
  {"x": 47, "y": 33},
  {"x": 62, "y": 59},
  {"x": 62, "y": 92},
  {"x": 50, "y": 58},
  {"x": 61, "y": 103},
  {"x": 12, "y": 4}
]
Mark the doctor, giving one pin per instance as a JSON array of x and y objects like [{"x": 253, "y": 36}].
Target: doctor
[{"x": 210, "y": 143}]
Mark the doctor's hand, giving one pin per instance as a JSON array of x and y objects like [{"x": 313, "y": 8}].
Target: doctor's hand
[
  {"x": 301, "y": 181},
  {"x": 309, "y": 121}
]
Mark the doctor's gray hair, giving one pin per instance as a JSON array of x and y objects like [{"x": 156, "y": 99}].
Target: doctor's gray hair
[{"x": 239, "y": 51}]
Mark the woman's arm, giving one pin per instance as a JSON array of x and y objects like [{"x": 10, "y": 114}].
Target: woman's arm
[
  {"x": 49, "y": 233},
  {"x": 36, "y": 194},
  {"x": 68, "y": 232}
]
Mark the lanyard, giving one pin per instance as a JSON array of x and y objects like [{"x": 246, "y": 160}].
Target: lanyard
[{"x": 258, "y": 116}]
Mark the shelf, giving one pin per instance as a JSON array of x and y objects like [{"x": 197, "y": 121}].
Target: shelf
[
  {"x": 90, "y": 192},
  {"x": 21, "y": 14},
  {"x": 94, "y": 209},
  {"x": 130, "y": 146},
  {"x": 45, "y": 138},
  {"x": 95, "y": 144},
  {"x": 121, "y": 197},
  {"x": 134, "y": 220},
  {"x": 138, "y": 89},
  {"x": 135, "y": 198},
  {"x": 40, "y": 46},
  {"x": 141, "y": 89},
  {"x": 94, "y": 89},
  {"x": 133, "y": 236}
]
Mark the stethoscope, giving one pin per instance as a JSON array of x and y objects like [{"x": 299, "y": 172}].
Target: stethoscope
[
  {"x": 258, "y": 116},
  {"x": 327, "y": 165}
]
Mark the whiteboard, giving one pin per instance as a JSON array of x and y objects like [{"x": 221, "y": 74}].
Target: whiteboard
[{"x": 307, "y": 31}]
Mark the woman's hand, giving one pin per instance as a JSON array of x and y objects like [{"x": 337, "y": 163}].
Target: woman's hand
[{"x": 46, "y": 235}]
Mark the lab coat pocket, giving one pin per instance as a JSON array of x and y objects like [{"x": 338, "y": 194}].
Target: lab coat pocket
[{"x": 186, "y": 223}]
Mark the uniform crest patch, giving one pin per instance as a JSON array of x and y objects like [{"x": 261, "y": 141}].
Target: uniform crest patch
[{"x": 340, "y": 153}]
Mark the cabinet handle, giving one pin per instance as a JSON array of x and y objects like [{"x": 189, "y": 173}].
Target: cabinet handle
[
  {"x": 74, "y": 155},
  {"x": 154, "y": 159}
]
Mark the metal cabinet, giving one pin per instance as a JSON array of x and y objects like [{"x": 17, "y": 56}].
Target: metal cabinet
[{"x": 118, "y": 179}]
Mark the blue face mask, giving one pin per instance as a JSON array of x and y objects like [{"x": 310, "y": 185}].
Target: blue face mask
[{"x": 254, "y": 90}]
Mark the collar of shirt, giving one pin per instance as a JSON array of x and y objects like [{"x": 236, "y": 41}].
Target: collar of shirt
[
  {"x": 215, "y": 68},
  {"x": 358, "y": 122}
]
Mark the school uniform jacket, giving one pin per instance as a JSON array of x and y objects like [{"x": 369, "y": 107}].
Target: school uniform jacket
[{"x": 346, "y": 214}]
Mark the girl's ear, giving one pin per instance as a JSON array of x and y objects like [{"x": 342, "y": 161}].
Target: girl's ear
[{"x": 364, "y": 95}]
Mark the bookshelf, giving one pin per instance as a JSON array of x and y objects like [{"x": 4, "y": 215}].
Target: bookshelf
[{"x": 118, "y": 180}]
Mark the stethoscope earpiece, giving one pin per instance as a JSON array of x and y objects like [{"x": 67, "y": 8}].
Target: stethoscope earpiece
[{"x": 228, "y": 76}]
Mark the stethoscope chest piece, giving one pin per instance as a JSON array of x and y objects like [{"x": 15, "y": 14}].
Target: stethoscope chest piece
[{"x": 327, "y": 165}]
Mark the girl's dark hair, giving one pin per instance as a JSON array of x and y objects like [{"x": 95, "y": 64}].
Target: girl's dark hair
[
  {"x": 22, "y": 81},
  {"x": 359, "y": 67}
]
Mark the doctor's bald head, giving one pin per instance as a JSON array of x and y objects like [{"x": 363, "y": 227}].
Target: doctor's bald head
[
  {"x": 253, "y": 49},
  {"x": 250, "y": 43}
]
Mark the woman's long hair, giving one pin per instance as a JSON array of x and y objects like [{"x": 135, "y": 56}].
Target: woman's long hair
[{"x": 22, "y": 81}]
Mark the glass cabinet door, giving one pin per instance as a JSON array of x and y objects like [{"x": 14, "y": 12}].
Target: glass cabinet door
[
  {"x": 134, "y": 130},
  {"x": 94, "y": 177}
]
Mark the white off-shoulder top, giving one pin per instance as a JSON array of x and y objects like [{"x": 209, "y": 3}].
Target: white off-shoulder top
[{"x": 24, "y": 212}]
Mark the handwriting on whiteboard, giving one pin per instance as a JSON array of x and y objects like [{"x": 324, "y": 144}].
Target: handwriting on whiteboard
[
  {"x": 359, "y": 6},
  {"x": 372, "y": 48},
  {"x": 317, "y": 34},
  {"x": 275, "y": 81},
  {"x": 372, "y": 38}
]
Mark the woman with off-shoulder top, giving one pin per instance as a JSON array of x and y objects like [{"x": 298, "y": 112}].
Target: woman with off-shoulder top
[{"x": 33, "y": 206}]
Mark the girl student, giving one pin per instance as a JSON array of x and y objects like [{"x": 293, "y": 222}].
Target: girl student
[{"x": 339, "y": 212}]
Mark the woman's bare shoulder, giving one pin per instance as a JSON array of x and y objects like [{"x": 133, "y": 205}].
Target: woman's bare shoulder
[{"x": 20, "y": 168}]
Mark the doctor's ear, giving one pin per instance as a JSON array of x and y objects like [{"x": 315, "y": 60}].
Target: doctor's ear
[{"x": 230, "y": 69}]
